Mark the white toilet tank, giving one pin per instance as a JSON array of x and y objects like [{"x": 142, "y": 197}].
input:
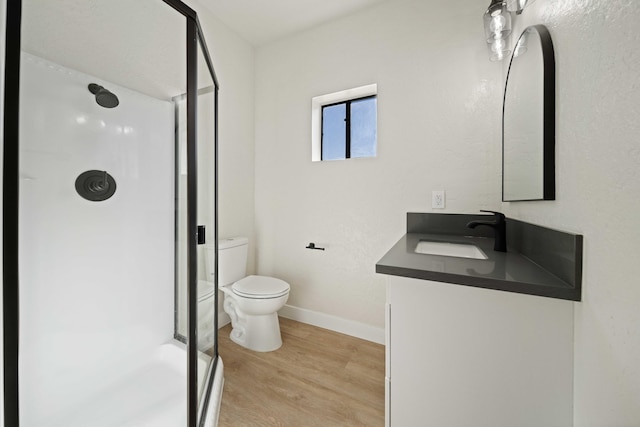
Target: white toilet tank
[{"x": 232, "y": 263}]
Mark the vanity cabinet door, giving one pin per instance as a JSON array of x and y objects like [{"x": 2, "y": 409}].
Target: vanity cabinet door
[{"x": 459, "y": 357}]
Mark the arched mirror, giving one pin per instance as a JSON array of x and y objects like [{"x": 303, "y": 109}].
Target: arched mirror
[{"x": 528, "y": 119}]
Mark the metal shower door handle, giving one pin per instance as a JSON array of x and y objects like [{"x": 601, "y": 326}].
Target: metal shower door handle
[{"x": 201, "y": 234}]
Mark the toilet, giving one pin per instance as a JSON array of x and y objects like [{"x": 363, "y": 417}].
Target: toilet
[{"x": 252, "y": 302}]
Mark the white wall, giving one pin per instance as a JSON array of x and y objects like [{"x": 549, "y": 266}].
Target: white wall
[
  {"x": 598, "y": 194},
  {"x": 97, "y": 287},
  {"x": 438, "y": 129}
]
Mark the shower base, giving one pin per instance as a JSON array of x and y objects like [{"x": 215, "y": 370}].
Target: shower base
[{"x": 153, "y": 394}]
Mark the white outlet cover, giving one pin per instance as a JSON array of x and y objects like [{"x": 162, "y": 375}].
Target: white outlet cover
[{"x": 437, "y": 199}]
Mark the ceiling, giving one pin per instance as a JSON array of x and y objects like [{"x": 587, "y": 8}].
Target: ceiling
[
  {"x": 263, "y": 21},
  {"x": 95, "y": 37}
]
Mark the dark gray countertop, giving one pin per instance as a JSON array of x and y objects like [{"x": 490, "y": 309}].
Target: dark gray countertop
[{"x": 506, "y": 271}]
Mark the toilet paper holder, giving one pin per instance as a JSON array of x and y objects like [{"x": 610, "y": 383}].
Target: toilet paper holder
[{"x": 313, "y": 246}]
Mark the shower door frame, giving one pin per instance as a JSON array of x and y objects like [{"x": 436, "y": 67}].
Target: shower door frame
[{"x": 10, "y": 212}]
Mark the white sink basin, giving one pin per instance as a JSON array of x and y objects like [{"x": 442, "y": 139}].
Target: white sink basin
[{"x": 460, "y": 250}]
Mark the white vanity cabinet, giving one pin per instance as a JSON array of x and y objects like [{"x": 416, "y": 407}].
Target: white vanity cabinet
[{"x": 460, "y": 356}]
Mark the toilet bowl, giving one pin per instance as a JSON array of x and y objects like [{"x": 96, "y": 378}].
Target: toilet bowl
[{"x": 251, "y": 302}]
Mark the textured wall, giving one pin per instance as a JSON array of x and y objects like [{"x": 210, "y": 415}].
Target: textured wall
[
  {"x": 598, "y": 194},
  {"x": 438, "y": 118}
]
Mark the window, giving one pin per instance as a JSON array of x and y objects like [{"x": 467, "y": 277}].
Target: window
[
  {"x": 344, "y": 124},
  {"x": 349, "y": 129}
]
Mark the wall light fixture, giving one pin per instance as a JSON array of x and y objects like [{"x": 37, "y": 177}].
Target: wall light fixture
[
  {"x": 518, "y": 6},
  {"x": 497, "y": 28}
]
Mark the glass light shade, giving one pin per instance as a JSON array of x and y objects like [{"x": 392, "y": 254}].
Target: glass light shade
[
  {"x": 518, "y": 5},
  {"x": 497, "y": 21},
  {"x": 498, "y": 49}
]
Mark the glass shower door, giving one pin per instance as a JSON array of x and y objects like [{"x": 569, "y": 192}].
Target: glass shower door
[
  {"x": 196, "y": 316},
  {"x": 100, "y": 235},
  {"x": 206, "y": 138},
  {"x": 96, "y": 213}
]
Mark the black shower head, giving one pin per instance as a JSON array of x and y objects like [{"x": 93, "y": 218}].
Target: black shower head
[{"x": 104, "y": 98}]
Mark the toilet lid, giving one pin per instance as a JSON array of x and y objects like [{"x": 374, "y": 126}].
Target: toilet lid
[
  {"x": 205, "y": 289},
  {"x": 260, "y": 287}
]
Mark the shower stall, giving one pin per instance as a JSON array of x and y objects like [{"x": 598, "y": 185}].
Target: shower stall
[{"x": 109, "y": 216}]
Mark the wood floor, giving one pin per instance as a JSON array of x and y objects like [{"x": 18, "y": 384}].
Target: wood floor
[{"x": 317, "y": 378}]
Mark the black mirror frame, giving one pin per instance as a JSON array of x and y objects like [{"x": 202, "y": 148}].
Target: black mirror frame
[{"x": 549, "y": 115}]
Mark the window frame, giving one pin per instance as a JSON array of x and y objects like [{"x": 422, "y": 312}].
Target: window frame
[
  {"x": 317, "y": 104},
  {"x": 347, "y": 127}
]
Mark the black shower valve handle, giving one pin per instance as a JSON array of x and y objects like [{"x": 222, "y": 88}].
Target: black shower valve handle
[
  {"x": 95, "y": 185},
  {"x": 105, "y": 182}
]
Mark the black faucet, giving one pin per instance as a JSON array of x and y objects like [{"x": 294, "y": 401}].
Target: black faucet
[{"x": 500, "y": 228}]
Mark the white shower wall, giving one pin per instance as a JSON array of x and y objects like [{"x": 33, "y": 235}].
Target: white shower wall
[{"x": 97, "y": 278}]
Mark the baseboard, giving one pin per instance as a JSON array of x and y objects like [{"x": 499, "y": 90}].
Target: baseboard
[{"x": 333, "y": 323}]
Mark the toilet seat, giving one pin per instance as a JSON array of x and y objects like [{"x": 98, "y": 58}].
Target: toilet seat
[
  {"x": 260, "y": 287},
  {"x": 205, "y": 289}
]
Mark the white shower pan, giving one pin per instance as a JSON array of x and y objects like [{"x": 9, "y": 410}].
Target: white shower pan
[{"x": 149, "y": 393}]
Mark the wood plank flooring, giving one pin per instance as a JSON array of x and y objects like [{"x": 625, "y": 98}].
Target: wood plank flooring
[{"x": 317, "y": 378}]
